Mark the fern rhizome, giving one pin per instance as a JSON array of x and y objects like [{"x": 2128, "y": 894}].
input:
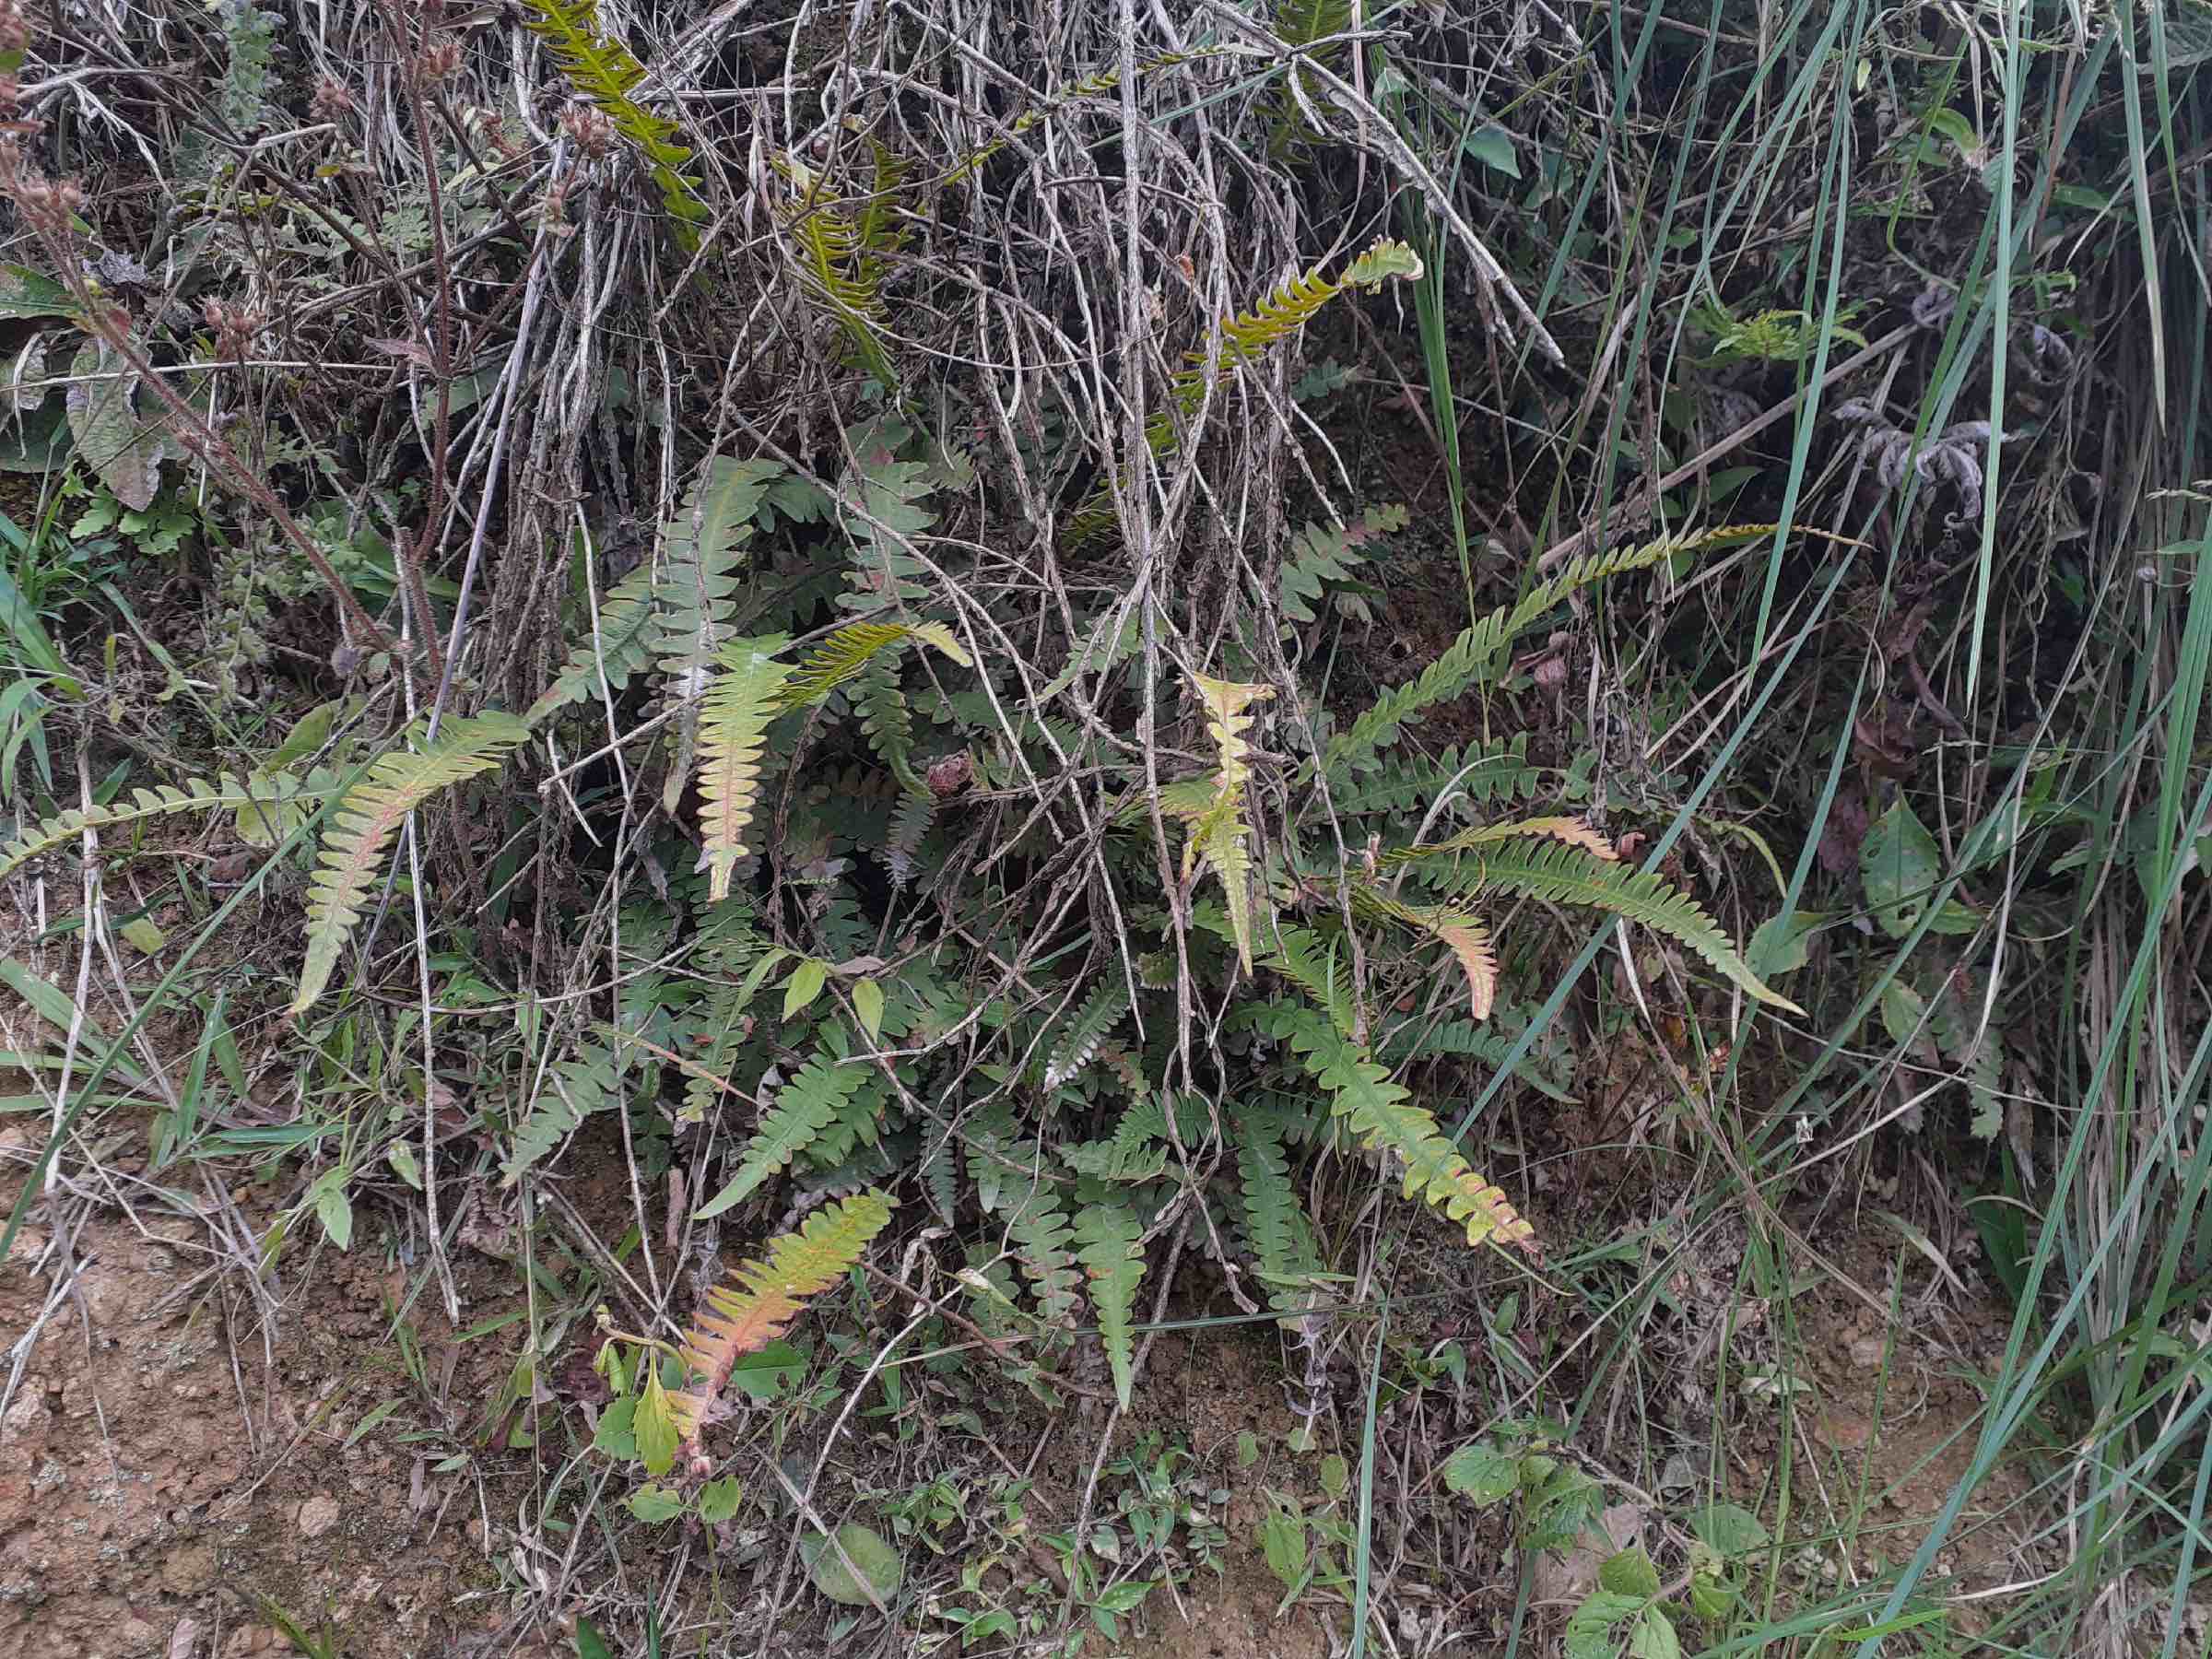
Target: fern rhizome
[{"x": 835, "y": 1043}]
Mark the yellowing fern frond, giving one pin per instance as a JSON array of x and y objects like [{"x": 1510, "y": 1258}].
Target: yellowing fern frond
[
  {"x": 1460, "y": 930},
  {"x": 1219, "y": 835},
  {"x": 848, "y": 650},
  {"x": 199, "y": 795},
  {"x": 733, "y": 730},
  {"x": 760, "y": 1299},
  {"x": 1290, "y": 306},
  {"x": 1573, "y": 831},
  {"x": 370, "y": 815}
]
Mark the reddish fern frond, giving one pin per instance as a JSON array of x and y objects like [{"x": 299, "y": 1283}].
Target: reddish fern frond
[{"x": 763, "y": 1296}]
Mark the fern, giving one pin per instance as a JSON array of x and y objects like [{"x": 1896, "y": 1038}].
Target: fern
[
  {"x": 733, "y": 730},
  {"x": 1322, "y": 554},
  {"x": 1571, "y": 831},
  {"x": 1079, "y": 1038},
  {"x": 852, "y": 647},
  {"x": 619, "y": 646},
  {"x": 843, "y": 254},
  {"x": 1090, "y": 86},
  {"x": 1303, "y": 23},
  {"x": 1219, "y": 835},
  {"x": 604, "y": 71},
  {"x": 576, "y": 1089},
  {"x": 857, "y": 1120},
  {"x": 882, "y": 513},
  {"x": 1282, "y": 1238},
  {"x": 1045, "y": 1242},
  {"x": 197, "y": 794},
  {"x": 1114, "y": 1262},
  {"x": 809, "y": 1103},
  {"x": 911, "y": 821},
  {"x": 1500, "y": 772},
  {"x": 370, "y": 815},
  {"x": 1383, "y": 1115},
  {"x": 1309, "y": 959},
  {"x": 1239, "y": 340},
  {"x": 1458, "y": 929},
  {"x": 760, "y": 1300},
  {"x": 1568, "y": 874},
  {"x": 695, "y": 592},
  {"x": 1473, "y": 657}
]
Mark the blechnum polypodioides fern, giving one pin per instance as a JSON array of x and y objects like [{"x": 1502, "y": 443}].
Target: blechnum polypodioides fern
[{"x": 832, "y": 1041}]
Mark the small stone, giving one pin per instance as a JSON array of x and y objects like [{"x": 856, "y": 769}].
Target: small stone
[
  {"x": 318, "y": 1515},
  {"x": 1866, "y": 1352}
]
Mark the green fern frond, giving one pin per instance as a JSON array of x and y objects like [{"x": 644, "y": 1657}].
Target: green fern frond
[
  {"x": 1474, "y": 657},
  {"x": 1045, "y": 1243},
  {"x": 1219, "y": 836},
  {"x": 618, "y": 647},
  {"x": 575, "y": 1090},
  {"x": 604, "y": 71},
  {"x": 911, "y": 821},
  {"x": 695, "y": 593},
  {"x": 194, "y": 796},
  {"x": 1113, "y": 1261},
  {"x": 760, "y": 1299},
  {"x": 857, "y": 1121},
  {"x": 1291, "y": 305},
  {"x": 809, "y": 1104},
  {"x": 1078, "y": 1039},
  {"x": 733, "y": 731},
  {"x": 889, "y": 494},
  {"x": 1311, "y": 961},
  {"x": 1385, "y": 1117},
  {"x": 852, "y": 647},
  {"x": 1566, "y": 875},
  {"x": 1324, "y": 554},
  {"x": 1484, "y": 773},
  {"x": 370, "y": 815},
  {"x": 1282, "y": 1238}
]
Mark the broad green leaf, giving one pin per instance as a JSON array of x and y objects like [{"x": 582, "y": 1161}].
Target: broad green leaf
[
  {"x": 1629, "y": 1572},
  {"x": 1653, "y": 1637},
  {"x": 876, "y": 1562},
  {"x": 1482, "y": 1473},
  {"x": 804, "y": 985},
  {"x": 718, "y": 1499},
  {"x": 769, "y": 1372},
  {"x": 655, "y": 1426},
  {"x": 121, "y": 444},
  {"x": 1900, "y": 866},
  {"x": 1493, "y": 146},
  {"x": 654, "y": 1503},
  {"x": 1732, "y": 1530},
  {"x": 867, "y": 1003}
]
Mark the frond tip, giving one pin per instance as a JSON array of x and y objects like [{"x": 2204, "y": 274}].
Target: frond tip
[{"x": 761, "y": 1297}]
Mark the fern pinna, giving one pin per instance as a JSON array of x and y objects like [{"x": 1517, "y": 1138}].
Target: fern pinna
[{"x": 761, "y": 1297}]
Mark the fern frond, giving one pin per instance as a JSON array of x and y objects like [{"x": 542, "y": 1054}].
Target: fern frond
[
  {"x": 852, "y": 647},
  {"x": 1383, "y": 1115},
  {"x": 733, "y": 730},
  {"x": 911, "y": 821},
  {"x": 1114, "y": 1262},
  {"x": 1080, "y": 1040},
  {"x": 604, "y": 70},
  {"x": 365, "y": 820},
  {"x": 1219, "y": 835},
  {"x": 809, "y": 1104},
  {"x": 1572, "y": 832},
  {"x": 695, "y": 592},
  {"x": 576, "y": 1089},
  {"x": 1483, "y": 773},
  {"x": 889, "y": 494},
  {"x": 760, "y": 1300},
  {"x": 1291, "y": 305},
  {"x": 196, "y": 794},
  {"x": 1046, "y": 1245},
  {"x": 1323, "y": 553},
  {"x": 1473, "y": 657},
  {"x": 1460, "y": 930},
  {"x": 1282, "y": 1238},
  {"x": 1566, "y": 875},
  {"x": 619, "y": 646}
]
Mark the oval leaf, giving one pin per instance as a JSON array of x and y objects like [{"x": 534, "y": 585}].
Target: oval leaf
[{"x": 877, "y": 1564}]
